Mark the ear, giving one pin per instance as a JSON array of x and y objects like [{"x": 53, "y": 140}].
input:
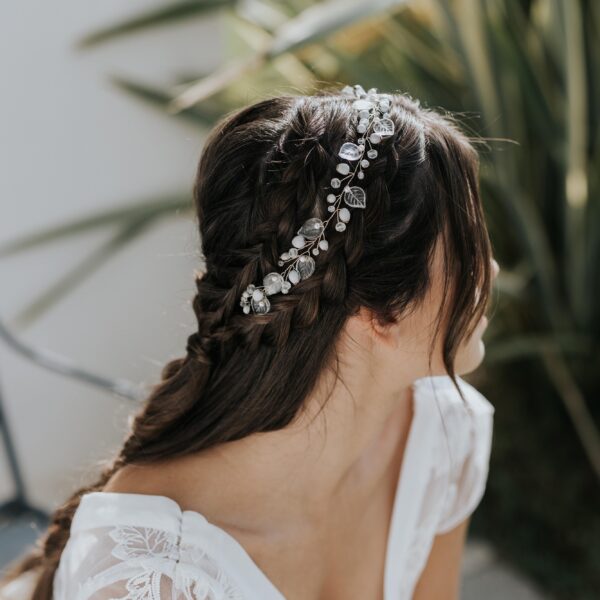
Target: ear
[{"x": 379, "y": 333}]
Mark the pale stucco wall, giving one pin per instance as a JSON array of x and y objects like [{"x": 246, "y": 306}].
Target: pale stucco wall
[{"x": 72, "y": 144}]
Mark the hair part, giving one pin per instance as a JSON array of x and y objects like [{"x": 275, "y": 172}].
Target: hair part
[{"x": 264, "y": 169}]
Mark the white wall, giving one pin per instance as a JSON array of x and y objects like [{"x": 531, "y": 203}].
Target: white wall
[{"x": 72, "y": 144}]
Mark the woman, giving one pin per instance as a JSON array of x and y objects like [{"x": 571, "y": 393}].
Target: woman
[{"x": 316, "y": 441}]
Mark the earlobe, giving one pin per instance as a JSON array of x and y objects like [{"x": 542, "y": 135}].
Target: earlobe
[
  {"x": 387, "y": 334},
  {"x": 363, "y": 324}
]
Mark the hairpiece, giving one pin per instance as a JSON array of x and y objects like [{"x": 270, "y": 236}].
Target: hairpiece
[{"x": 369, "y": 113}]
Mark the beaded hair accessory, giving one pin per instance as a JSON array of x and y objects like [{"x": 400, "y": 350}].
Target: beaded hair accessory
[{"x": 369, "y": 113}]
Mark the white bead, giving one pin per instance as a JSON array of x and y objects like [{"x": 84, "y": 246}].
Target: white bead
[
  {"x": 324, "y": 244},
  {"x": 335, "y": 183},
  {"x": 293, "y": 252},
  {"x": 343, "y": 168},
  {"x": 340, "y": 226},
  {"x": 375, "y": 138},
  {"x": 364, "y": 163},
  {"x": 344, "y": 215},
  {"x": 360, "y": 175},
  {"x": 330, "y": 198},
  {"x": 372, "y": 153},
  {"x": 315, "y": 251},
  {"x": 294, "y": 276},
  {"x": 298, "y": 241},
  {"x": 246, "y": 308},
  {"x": 331, "y": 208},
  {"x": 257, "y": 295}
]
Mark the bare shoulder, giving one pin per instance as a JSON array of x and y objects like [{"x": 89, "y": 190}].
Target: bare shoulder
[
  {"x": 163, "y": 478},
  {"x": 440, "y": 579}
]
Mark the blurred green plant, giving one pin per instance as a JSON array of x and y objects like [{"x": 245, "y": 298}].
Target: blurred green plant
[{"x": 526, "y": 71}]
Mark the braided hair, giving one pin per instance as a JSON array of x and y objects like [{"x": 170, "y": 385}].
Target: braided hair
[{"x": 264, "y": 169}]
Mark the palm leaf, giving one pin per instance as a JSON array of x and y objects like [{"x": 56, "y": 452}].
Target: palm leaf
[
  {"x": 173, "y": 11},
  {"x": 310, "y": 26},
  {"x": 98, "y": 220},
  {"x": 126, "y": 234},
  {"x": 198, "y": 115}
]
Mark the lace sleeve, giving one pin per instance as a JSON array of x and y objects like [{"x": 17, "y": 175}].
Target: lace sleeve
[
  {"x": 467, "y": 483},
  {"x": 136, "y": 563}
]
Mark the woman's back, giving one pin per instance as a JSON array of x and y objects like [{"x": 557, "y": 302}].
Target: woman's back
[{"x": 137, "y": 546}]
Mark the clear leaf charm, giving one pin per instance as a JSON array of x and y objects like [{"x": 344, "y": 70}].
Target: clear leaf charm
[
  {"x": 261, "y": 306},
  {"x": 305, "y": 266},
  {"x": 350, "y": 151},
  {"x": 384, "y": 127},
  {"x": 355, "y": 197},
  {"x": 311, "y": 229},
  {"x": 272, "y": 283}
]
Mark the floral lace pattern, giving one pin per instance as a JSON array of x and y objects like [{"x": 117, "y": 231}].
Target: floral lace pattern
[{"x": 147, "y": 564}]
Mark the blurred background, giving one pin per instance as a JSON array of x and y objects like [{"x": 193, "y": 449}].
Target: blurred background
[{"x": 103, "y": 114}]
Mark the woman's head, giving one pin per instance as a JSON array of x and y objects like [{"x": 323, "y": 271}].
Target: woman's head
[
  {"x": 417, "y": 257},
  {"x": 415, "y": 261}
]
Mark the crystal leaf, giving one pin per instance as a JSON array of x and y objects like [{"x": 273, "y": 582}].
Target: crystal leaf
[
  {"x": 272, "y": 283},
  {"x": 294, "y": 276},
  {"x": 305, "y": 266},
  {"x": 355, "y": 197},
  {"x": 311, "y": 229},
  {"x": 384, "y": 127},
  {"x": 261, "y": 306},
  {"x": 350, "y": 151}
]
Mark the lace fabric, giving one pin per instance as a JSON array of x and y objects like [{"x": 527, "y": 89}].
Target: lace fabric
[{"x": 144, "y": 547}]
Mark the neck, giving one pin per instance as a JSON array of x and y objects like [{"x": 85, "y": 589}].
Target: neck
[{"x": 282, "y": 479}]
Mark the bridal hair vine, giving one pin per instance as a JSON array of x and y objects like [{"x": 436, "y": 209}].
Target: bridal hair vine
[{"x": 369, "y": 111}]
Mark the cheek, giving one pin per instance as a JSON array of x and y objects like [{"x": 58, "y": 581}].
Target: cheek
[{"x": 471, "y": 353}]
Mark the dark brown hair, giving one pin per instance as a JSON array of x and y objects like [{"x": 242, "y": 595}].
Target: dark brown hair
[{"x": 264, "y": 170}]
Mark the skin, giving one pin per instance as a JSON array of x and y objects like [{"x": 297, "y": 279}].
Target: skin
[{"x": 302, "y": 498}]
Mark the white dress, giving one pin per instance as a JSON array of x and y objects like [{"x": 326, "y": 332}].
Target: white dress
[{"x": 144, "y": 547}]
